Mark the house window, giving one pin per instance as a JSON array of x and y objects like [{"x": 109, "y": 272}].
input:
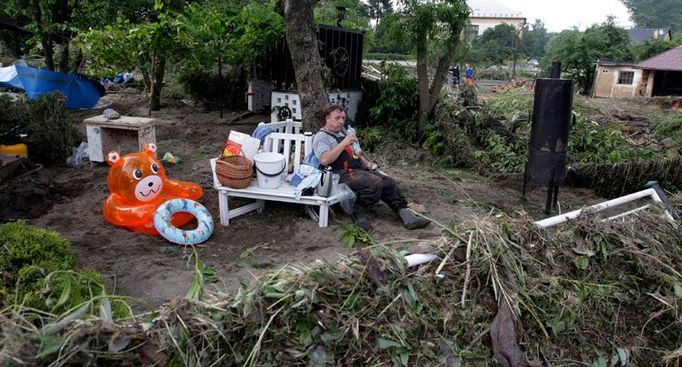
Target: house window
[{"x": 626, "y": 77}]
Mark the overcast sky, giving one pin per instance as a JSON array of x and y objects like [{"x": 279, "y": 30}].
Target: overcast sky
[{"x": 565, "y": 14}]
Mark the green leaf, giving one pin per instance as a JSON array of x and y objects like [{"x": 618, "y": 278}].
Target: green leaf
[
  {"x": 66, "y": 294},
  {"x": 558, "y": 325},
  {"x": 387, "y": 343},
  {"x": 582, "y": 262},
  {"x": 207, "y": 271},
  {"x": 49, "y": 345},
  {"x": 105, "y": 308},
  {"x": 405, "y": 357}
]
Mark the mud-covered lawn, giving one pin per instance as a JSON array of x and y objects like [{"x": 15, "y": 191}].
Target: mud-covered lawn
[{"x": 154, "y": 271}]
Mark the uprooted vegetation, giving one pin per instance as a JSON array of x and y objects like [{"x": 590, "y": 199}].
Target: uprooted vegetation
[
  {"x": 493, "y": 140},
  {"x": 490, "y": 134},
  {"x": 499, "y": 130},
  {"x": 501, "y": 289}
]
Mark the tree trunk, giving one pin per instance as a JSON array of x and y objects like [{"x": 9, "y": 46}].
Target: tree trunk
[
  {"x": 76, "y": 66},
  {"x": 423, "y": 78},
  {"x": 45, "y": 38},
  {"x": 429, "y": 95},
  {"x": 440, "y": 75},
  {"x": 146, "y": 79},
  {"x": 157, "y": 84},
  {"x": 48, "y": 49},
  {"x": 64, "y": 58},
  {"x": 302, "y": 41}
]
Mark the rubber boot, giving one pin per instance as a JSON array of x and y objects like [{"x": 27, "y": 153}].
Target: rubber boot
[
  {"x": 411, "y": 220},
  {"x": 360, "y": 218}
]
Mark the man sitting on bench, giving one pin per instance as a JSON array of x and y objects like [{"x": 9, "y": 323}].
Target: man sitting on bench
[{"x": 334, "y": 147}]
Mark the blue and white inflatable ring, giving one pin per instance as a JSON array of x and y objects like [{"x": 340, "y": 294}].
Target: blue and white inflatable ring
[{"x": 162, "y": 222}]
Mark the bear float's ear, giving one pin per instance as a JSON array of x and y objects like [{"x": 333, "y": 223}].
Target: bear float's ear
[
  {"x": 150, "y": 149},
  {"x": 114, "y": 158}
]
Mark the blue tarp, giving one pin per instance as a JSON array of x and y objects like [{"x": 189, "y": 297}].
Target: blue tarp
[{"x": 80, "y": 91}]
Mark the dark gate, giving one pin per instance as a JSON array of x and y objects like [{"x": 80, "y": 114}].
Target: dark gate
[{"x": 340, "y": 50}]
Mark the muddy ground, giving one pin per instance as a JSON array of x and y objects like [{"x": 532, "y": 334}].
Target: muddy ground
[{"x": 69, "y": 201}]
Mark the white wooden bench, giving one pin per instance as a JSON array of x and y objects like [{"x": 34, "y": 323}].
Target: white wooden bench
[{"x": 285, "y": 143}]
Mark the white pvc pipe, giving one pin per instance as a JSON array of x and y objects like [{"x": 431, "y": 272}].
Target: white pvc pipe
[
  {"x": 562, "y": 218},
  {"x": 418, "y": 259},
  {"x": 633, "y": 211}
]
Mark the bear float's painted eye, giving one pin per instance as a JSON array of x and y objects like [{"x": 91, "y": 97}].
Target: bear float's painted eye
[
  {"x": 137, "y": 174},
  {"x": 155, "y": 168}
]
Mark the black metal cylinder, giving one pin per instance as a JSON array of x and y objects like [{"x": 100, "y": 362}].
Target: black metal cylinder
[
  {"x": 551, "y": 122},
  {"x": 556, "y": 70}
]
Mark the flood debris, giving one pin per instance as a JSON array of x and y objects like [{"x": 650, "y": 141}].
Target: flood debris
[{"x": 578, "y": 293}]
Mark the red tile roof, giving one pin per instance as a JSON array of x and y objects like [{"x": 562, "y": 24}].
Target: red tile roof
[{"x": 669, "y": 60}]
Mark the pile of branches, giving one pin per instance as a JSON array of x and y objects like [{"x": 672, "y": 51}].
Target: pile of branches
[
  {"x": 479, "y": 138},
  {"x": 501, "y": 290},
  {"x": 514, "y": 84}
]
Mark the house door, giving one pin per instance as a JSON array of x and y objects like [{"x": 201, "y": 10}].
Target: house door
[
  {"x": 604, "y": 83},
  {"x": 668, "y": 83}
]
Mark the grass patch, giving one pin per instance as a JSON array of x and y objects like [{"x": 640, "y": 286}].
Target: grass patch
[{"x": 669, "y": 127}]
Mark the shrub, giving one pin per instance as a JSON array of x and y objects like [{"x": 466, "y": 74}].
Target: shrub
[
  {"x": 370, "y": 138},
  {"x": 37, "y": 269},
  {"x": 51, "y": 130},
  {"x": 398, "y": 102},
  {"x": 23, "y": 245},
  {"x": 27, "y": 255}
]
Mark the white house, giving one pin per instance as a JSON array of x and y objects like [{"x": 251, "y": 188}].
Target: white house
[{"x": 490, "y": 13}]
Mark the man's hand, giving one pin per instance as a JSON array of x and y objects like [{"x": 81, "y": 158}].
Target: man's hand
[
  {"x": 371, "y": 166},
  {"x": 348, "y": 140}
]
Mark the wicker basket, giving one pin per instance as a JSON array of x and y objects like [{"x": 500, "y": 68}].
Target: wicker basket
[{"x": 234, "y": 171}]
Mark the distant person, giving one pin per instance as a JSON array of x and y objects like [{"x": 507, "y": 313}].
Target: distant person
[
  {"x": 454, "y": 79},
  {"x": 469, "y": 73}
]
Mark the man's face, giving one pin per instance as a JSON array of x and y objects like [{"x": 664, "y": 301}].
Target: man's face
[{"x": 335, "y": 121}]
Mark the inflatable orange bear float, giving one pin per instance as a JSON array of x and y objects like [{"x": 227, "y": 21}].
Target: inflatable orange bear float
[{"x": 138, "y": 186}]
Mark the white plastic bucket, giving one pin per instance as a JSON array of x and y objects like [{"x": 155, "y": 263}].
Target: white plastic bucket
[{"x": 269, "y": 168}]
